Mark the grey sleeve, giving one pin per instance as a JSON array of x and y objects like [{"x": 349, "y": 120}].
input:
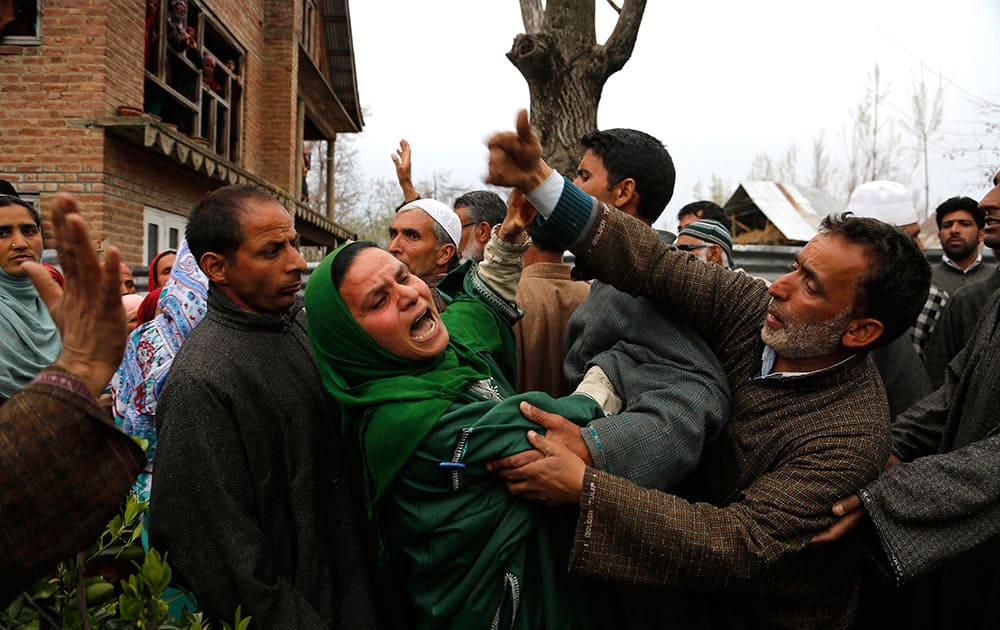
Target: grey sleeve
[
  {"x": 918, "y": 430},
  {"x": 936, "y": 507},
  {"x": 673, "y": 405}
]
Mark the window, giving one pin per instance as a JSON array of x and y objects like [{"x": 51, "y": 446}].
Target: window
[
  {"x": 163, "y": 231},
  {"x": 21, "y": 22},
  {"x": 308, "y": 26},
  {"x": 193, "y": 74}
]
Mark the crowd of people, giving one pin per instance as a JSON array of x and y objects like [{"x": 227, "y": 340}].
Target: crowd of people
[{"x": 461, "y": 430}]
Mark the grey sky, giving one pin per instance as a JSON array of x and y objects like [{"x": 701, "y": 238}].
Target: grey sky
[{"x": 718, "y": 81}]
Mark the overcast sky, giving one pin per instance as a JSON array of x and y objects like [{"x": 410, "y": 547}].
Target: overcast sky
[{"x": 717, "y": 81}]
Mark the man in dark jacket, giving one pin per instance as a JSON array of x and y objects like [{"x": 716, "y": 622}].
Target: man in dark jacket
[
  {"x": 249, "y": 498},
  {"x": 809, "y": 413},
  {"x": 941, "y": 507}
]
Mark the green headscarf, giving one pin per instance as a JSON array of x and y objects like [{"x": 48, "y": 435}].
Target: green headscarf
[{"x": 389, "y": 403}]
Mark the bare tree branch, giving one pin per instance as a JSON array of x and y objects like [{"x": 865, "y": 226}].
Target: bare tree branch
[
  {"x": 566, "y": 69},
  {"x": 614, "y": 6},
  {"x": 618, "y": 48},
  {"x": 532, "y": 15}
]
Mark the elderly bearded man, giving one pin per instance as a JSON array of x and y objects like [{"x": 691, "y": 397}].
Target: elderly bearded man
[{"x": 809, "y": 413}]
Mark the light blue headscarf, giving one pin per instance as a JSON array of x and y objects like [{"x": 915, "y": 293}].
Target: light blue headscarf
[{"x": 29, "y": 339}]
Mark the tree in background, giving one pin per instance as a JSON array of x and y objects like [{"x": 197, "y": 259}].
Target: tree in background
[
  {"x": 873, "y": 145},
  {"x": 982, "y": 144},
  {"x": 822, "y": 171},
  {"x": 784, "y": 170},
  {"x": 762, "y": 168},
  {"x": 566, "y": 69},
  {"x": 367, "y": 205},
  {"x": 927, "y": 108},
  {"x": 718, "y": 191}
]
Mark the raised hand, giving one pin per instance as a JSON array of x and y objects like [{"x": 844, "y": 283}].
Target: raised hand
[
  {"x": 89, "y": 311},
  {"x": 520, "y": 214},
  {"x": 401, "y": 159},
  {"x": 516, "y": 157}
]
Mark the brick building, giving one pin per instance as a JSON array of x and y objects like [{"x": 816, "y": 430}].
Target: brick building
[{"x": 141, "y": 107}]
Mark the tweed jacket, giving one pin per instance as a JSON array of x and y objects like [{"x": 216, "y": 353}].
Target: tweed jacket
[
  {"x": 64, "y": 470},
  {"x": 793, "y": 445},
  {"x": 955, "y": 327},
  {"x": 926, "y": 512},
  {"x": 548, "y": 297},
  {"x": 674, "y": 391},
  {"x": 250, "y": 498}
]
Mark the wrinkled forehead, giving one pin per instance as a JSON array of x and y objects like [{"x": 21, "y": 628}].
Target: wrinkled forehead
[
  {"x": 263, "y": 215},
  {"x": 370, "y": 269},
  {"x": 831, "y": 255},
  {"x": 414, "y": 218}
]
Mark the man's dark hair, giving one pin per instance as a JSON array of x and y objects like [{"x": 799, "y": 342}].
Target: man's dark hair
[
  {"x": 968, "y": 204},
  {"x": 631, "y": 153},
  {"x": 441, "y": 237},
  {"x": 704, "y": 210},
  {"x": 215, "y": 222},
  {"x": 543, "y": 240},
  {"x": 483, "y": 205},
  {"x": 899, "y": 277}
]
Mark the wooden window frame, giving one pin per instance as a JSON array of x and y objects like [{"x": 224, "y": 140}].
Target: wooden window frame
[{"x": 177, "y": 87}]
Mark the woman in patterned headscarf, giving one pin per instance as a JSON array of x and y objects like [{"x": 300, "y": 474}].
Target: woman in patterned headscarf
[{"x": 149, "y": 353}]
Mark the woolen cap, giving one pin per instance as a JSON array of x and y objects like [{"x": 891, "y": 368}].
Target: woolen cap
[
  {"x": 711, "y": 231},
  {"x": 441, "y": 213},
  {"x": 886, "y": 201}
]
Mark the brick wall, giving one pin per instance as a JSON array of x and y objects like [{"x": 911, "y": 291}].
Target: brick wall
[
  {"x": 280, "y": 165},
  {"x": 90, "y": 62},
  {"x": 44, "y": 87}
]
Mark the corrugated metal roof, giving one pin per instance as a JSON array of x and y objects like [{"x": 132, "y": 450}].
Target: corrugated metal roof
[
  {"x": 343, "y": 77},
  {"x": 785, "y": 206},
  {"x": 823, "y": 203}
]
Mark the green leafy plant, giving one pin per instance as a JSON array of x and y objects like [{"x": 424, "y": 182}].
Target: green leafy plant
[{"x": 112, "y": 584}]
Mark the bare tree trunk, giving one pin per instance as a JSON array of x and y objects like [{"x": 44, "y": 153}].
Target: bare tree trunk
[{"x": 566, "y": 69}]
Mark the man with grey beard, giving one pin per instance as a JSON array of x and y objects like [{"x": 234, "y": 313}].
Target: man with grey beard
[
  {"x": 478, "y": 212},
  {"x": 809, "y": 413}
]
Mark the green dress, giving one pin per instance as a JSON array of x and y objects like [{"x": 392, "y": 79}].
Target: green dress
[{"x": 471, "y": 554}]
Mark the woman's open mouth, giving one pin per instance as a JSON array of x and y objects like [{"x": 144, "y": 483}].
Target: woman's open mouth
[{"x": 424, "y": 326}]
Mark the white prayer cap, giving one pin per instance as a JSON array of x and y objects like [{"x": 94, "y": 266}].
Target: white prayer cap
[
  {"x": 886, "y": 201},
  {"x": 441, "y": 213}
]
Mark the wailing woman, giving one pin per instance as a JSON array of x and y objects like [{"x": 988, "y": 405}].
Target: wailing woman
[{"x": 426, "y": 400}]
